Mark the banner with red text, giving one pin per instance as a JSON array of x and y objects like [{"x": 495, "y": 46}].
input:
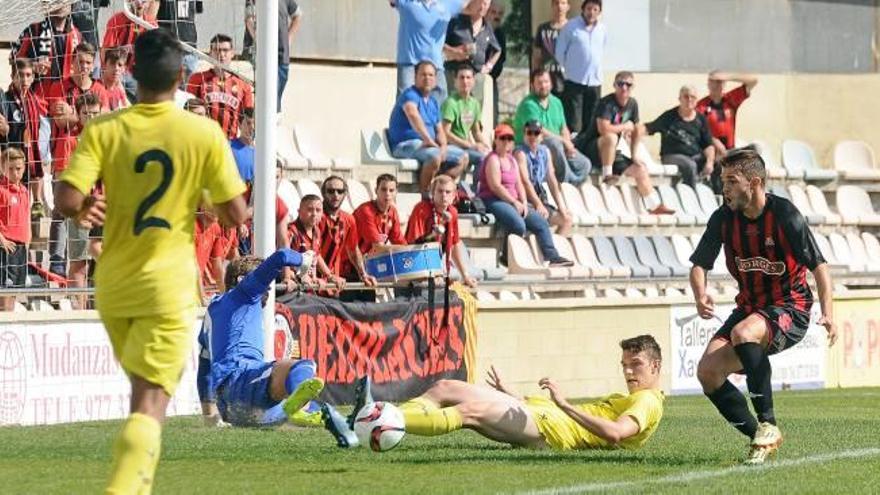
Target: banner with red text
[{"x": 403, "y": 345}]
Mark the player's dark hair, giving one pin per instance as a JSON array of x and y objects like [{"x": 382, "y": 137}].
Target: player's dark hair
[
  {"x": 424, "y": 63},
  {"x": 247, "y": 113},
  {"x": 385, "y": 178},
  {"x": 624, "y": 74},
  {"x": 85, "y": 47},
  {"x": 86, "y": 100},
  {"x": 747, "y": 160},
  {"x": 308, "y": 198},
  {"x": 21, "y": 64},
  {"x": 641, "y": 343},
  {"x": 157, "y": 60},
  {"x": 540, "y": 71},
  {"x": 464, "y": 67},
  {"x": 113, "y": 55},
  {"x": 333, "y": 177},
  {"x": 238, "y": 268},
  {"x": 194, "y": 103},
  {"x": 221, "y": 38},
  {"x": 587, "y": 2}
]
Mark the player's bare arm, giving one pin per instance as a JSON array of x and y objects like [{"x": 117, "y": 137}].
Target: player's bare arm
[
  {"x": 823, "y": 285},
  {"x": 612, "y": 432},
  {"x": 87, "y": 210},
  {"x": 233, "y": 213},
  {"x": 494, "y": 380},
  {"x": 705, "y": 303}
]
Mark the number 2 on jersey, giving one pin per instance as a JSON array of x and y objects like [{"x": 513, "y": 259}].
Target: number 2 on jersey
[{"x": 158, "y": 156}]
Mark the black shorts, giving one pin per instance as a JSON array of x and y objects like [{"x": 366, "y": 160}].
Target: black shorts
[
  {"x": 787, "y": 326},
  {"x": 621, "y": 162},
  {"x": 13, "y": 267}
]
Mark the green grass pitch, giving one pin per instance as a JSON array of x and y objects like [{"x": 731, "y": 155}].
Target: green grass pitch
[{"x": 832, "y": 445}]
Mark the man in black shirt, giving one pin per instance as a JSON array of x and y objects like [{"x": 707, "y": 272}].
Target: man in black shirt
[
  {"x": 769, "y": 249},
  {"x": 179, "y": 17},
  {"x": 470, "y": 41},
  {"x": 544, "y": 47},
  {"x": 686, "y": 139}
]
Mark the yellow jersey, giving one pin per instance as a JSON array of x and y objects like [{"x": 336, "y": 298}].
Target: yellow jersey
[
  {"x": 156, "y": 162},
  {"x": 562, "y": 432}
]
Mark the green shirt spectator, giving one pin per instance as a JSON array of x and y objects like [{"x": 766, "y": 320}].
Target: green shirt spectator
[
  {"x": 462, "y": 113},
  {"x": 552, "y": 117}
]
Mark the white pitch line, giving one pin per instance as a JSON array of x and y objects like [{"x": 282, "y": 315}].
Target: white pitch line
[{"x": 701, "y": 475}]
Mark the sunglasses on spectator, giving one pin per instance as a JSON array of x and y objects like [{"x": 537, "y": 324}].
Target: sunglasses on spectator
[
  {"x": 533, "y": 133},
  {"x": 623, "y": 84},
  {"x": 506, "y": 138},
  {"x": 331, "y": 190}
]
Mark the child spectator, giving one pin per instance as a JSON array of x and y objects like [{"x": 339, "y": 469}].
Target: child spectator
[{"x": 15, "y": 227}]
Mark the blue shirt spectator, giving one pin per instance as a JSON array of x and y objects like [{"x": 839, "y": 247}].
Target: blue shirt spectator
[
  {"x": 399, "y": 127},
  {"x": 580, "y": 49},
  {"x": 421, "y": 32},
  {"x": 244, "y": 158}
]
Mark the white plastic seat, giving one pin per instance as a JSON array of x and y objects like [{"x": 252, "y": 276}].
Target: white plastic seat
[
  {"x": 521, "y": 261},
  {"x": 308, "y": 186},
  {"x": 654, "y": 167},
  {"x": 550, "y": 200},
  {"x": 855, "y": 206},
  {"x": 860, "y": 253},
  {"x": 290, "y": 156},
  {"x": 720, "y": 266},
  {"x": 358, "y": 193},
  {"x": 563, "y": 247},
  {"x": 672, "y": 292},
  {"x": 405, "y": 204},
  {"x": 800, "y": 161},
  {"x": 633, "y": 293},
  {"x": 486, "y": 260},
  {"x": 375, "y": 151},
  {"x": 507, "y": 296},
  {"x": 614, "y": 203},
  {"x": 586, "y": 256},
  {"x": 872, "y": 245},
  {"x": 707, "y": 198},
  {"x": 827, "y": 251},
  {"x": 854, "y": 160},
  {"x": 484, "y": 296},
  {"x": 820, "y": 205},
  {"x": 607, "y": 255},
  {"x": 596, "y": 205},
  {"x": 670, "y": 199},
  {"x": 843, "y": 253},
  {"x": 635, "y": 204},
  {"x": 683, "y": 248},
  {"x": 652, "y": 292},
  {"x": 690, "y": 203},
  {"x": 799, "y": 197},
  {"x": 289, "y": 195},
  {"x": 307, "y": 147},
  {"x": 771, "y": 163},
  {"x": 575, "y": 203},
  {"x": 613, "y": 293}
]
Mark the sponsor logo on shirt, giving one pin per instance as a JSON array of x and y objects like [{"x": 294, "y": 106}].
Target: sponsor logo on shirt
[
  {"x": 224, "y": 98},
  {"x": 760, "y": 264}
]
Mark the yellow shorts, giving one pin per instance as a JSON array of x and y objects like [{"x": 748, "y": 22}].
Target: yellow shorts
[
  {"x": 559, "y": 430},
  {"x": 153, "y": 347}
]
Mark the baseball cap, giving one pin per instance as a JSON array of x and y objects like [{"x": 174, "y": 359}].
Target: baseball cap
[
  {"x": 503, "y": 130},
  {"x": 534, "y": 125}
]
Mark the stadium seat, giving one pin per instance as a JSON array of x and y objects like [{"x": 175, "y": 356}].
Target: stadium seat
[
  {"x": 586, "y": 255},
  {"x": 291, "y": 158},
  {"x": 707, "y": 198},
  {"x": 472, "y": 268},
  {"x": 305, "y": 144},
  {"x": 872, "y": 245},
  {"x": 652, "y": 292},
  {"x": 670, "y": 199},
  {"x": 843, "y": 253},
  {"x": 720, "y": 266},
  {"x": 683, "y": 248},
  {"x": 779, "y": 191},
  {"x": 576, "y": 271},
  {"x": 854, "y": 160},
  {"x": 374, "y": 151},
  {"x": 667, "y": 256},
  {"x": 799, "y": 197},
  {"x": 18, "y": 307},
  {"x": 771, "y": 163},
  {"x": 405, "y": 204},
  {"x": 520, "y": 259},
  {"x": 616, "y": 206},
  {"x": 855, "y": 206},
  {"x": 633, "y": 293},
  {"x": 566, "y": 251},
  {"x": 485, "y": 296},
  {"x": 860, "y": 253},
  {"x": 648, "y": 256},
  {"x": 690, "y": 203},
  {"x": 549, "y": 196},
  {"x": 820, "y": 205},
  {"x": 289, "y": 195},
  {"x": 635, "y": 204},
  {"x": 625, "y": 253},
  {"x": 576, "y": 206},
  {"x": 596, "y": 205},
  {"x": 507, "y": 296},
  {"x": 672, "y": 292},
  {"x": 41, "y": 305},
  {"x": 654, "y": 168},
  {"x": 827, "y": 251},
  {"x": 358, "y": 194},
  {"x": 308, "y": 186},
  {"x": 613, "y": 293},
  {"x": 486, "y": 260},
  {"x": 800, "y": 161},
  {"x": 615, "y": 202},
  {"x": 729, "y": 290},
  {"x": 607, "y": 257}
]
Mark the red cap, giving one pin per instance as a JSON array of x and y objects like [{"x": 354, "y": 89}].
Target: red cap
[{"x": 503, "y": 130}]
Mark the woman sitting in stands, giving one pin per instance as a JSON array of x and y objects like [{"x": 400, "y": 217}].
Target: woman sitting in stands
[{"x": 501, "y": 188}]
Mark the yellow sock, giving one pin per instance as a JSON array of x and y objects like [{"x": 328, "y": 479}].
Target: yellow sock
[
  {"x": 423, "y": 417},
  {"x": 135, "y": 455}
]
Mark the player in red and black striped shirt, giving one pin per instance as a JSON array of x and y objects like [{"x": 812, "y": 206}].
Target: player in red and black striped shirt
[
  {"x": 305, "y": 235},
  {"x": 227, "y": 95},
  {"x": 339, "y": 234},
  {"x": 769, "y": 249}
]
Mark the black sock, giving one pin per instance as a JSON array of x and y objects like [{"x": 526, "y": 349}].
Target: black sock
[
  {"x": 756, "y": 364},
  {"x": 731, "y": 403}
]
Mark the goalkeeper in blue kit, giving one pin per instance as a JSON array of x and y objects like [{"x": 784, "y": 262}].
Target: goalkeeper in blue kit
[{"x": 236, "y": 385}]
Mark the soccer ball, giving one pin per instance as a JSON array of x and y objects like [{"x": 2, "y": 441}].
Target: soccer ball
[{"x": 379, "y": 425}]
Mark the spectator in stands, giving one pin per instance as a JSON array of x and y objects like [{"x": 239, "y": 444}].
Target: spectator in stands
[
  {"x": 121, "y": 33},
  {"x": 415, "y": 130},
  {"x": 179, "y": 17},
  {"x": 215, "y": 245},
  {"x": 378, "y": 221},
  {"x": 113, "y": 72},
  {"x": 199, "y": 107},
  {"x": 245, "y": 232},
  {"x": 420, "y": 36},
  {"x": 49, "y": 44},
  {"x": 305, "y": 235},
  {"x": 436, "y": 220},
  {"x": 579, "y": 49},
  {"x": 470, "y": 41},
  {"x": 84, "y": 15},
  {"x": 720, "y": 108},
  {"x": 88, "y": 106},
  {"x": 686, "y": 140},
  {"x": 339, "y": 235},
  {"x": 536, "y": 168},
  {"x": 243, "y": 146},
  {"x": 570, "y": 164},
  {"x": 501, "y": 187},
  {"x": 23, "y": 112},
  {"x": 544, "y": 47},
  {"x": 15, "y": 226},
  {"x": 496, "y": 17},
  {"x": 289, "y": 18},
  {"x": 462, "y": 114},
  {"x": 226, "y": 94},
  {"x": 617, "y": 117}
]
